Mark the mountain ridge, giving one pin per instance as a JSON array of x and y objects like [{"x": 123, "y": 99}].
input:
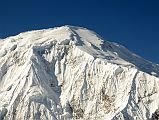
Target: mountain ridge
[
  {"x": 72, "y": 30},
  {"x": 71, "y": 73}
]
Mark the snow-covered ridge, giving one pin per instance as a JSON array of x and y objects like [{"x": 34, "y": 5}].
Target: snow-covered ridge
[
  {"x": 70, "y": 72},
  {"x": 86, "y": 40}
]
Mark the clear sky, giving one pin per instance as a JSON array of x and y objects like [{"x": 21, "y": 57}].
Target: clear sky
[{"x": 132, "y": 23}]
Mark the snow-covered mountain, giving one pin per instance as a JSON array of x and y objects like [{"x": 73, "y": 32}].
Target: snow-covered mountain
[{"x": 69, "y": 73}]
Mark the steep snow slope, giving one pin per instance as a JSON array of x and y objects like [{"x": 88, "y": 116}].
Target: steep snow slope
[{"x": 71, "y": 73}]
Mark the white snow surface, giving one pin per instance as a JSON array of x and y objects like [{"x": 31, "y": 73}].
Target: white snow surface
[{"x": 69, "y": 73}]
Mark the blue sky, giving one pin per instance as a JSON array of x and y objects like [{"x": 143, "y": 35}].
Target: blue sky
[{"x": 132, "y": 23}]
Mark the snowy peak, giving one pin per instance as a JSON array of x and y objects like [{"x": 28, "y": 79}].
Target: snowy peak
[
  {"x": 89, "y": 42},
  {"x": 67, "y": 33},
  {"x": 70, "y": 72},
  {"x": 86, "y": 40}
]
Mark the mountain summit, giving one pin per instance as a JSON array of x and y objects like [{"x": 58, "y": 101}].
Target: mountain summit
[{"x": 69, "y": 73}]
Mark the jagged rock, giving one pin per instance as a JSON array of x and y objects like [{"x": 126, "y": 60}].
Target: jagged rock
[{"x": 155, "y": 115}]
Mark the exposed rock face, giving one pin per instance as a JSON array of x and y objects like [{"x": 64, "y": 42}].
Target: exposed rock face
[{"x": 71, "y": 73}]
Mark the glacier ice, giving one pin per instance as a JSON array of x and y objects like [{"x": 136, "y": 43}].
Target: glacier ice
[{"x": 70, "y": 72}]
